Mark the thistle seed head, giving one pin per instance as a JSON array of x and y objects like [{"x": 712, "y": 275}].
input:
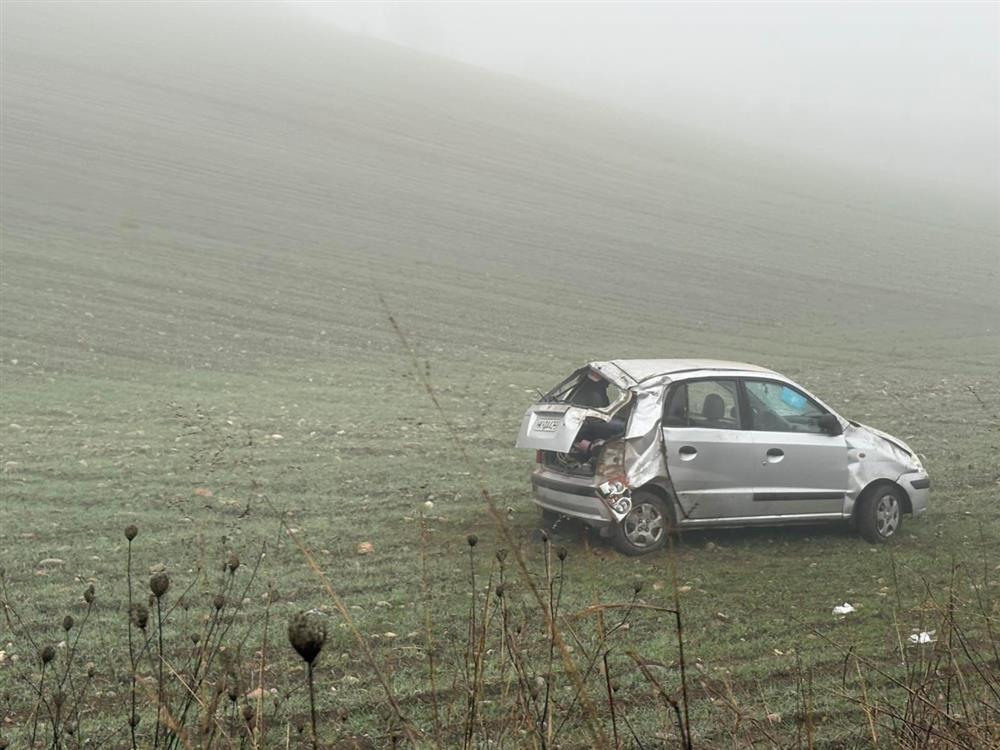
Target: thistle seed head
[
  {"x": 68, "y": 623},
  {"x": 159, "y": 583},
  {"x": 561, "y": 553},
  {"x": 131, "y": 531},
  {"x": 88, "y": 595},
  {"x": 233, "y": 562},
  {"x": 139, "y": 615},
  {"x": 472, "y": 540},
  {"x": 219, "y": 601},
  {"x": 307, "y": 634},
  {"x": 501, "y": 555},
  {"x": 47, "y": 654},
  {"x": 637, "y": 587}
]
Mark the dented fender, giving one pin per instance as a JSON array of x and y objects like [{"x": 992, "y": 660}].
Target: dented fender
[{"x": 873, "y": 455}]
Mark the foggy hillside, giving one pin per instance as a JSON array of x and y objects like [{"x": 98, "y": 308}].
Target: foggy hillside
[{"x": 237, "y": 172}]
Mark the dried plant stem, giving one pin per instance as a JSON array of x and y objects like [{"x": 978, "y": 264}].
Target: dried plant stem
[
  {"x": 259, "y": 718},
  {"x": 131, "y": 649},
  {"x": 428, "y": 633},
  {"x": 611, "y": 701},
  {"x": 312, "y": 706},
  {"x": 38, "y": 703},
  {"x": 159, "y": 676}
]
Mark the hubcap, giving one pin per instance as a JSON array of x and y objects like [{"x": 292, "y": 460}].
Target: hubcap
[
  {"x": 887, "y": 515},
  {"x": 644, "y": 525}
]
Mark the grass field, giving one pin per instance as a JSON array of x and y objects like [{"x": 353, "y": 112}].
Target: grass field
[{"x": 196, "y": 239}]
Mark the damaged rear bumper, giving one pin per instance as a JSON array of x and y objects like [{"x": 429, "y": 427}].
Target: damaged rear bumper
[{"x": 571, "y": 496}]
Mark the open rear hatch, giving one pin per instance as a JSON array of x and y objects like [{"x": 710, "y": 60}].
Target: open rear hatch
[
  {"x": 590, "y": 392},
  {"x": 551, "y": 427}
]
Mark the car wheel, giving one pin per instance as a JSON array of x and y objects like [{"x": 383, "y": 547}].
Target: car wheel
[
  {"x": 881, "y": 513},
  {"x": 647, "y": 525}
]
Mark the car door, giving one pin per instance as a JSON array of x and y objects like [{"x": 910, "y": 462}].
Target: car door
[
  {"x": 709, "y": 453},
  {"x": 800, "y": 469}
]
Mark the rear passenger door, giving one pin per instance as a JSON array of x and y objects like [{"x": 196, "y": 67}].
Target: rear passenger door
[
  {"x": 800, "y": 469},
  {"x": 709, "y": 453}
]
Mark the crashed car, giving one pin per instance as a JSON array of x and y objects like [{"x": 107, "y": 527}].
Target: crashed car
[{"x": 637, "y": 448}]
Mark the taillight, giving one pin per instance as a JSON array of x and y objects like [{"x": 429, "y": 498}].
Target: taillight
[{"x": 539, "y": 457}]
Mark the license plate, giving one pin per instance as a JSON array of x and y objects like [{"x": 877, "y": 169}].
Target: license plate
[{"x": 547, "y": 424}]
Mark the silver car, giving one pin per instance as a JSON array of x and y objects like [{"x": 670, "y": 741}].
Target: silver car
[{"x": 639, "y": 447}]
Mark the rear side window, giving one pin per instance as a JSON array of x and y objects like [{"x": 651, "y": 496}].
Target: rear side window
[
  {"x": 712, "y": 404},
  {"x": 586, "y": 389}
]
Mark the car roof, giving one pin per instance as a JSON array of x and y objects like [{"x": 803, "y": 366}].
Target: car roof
[{"x": 643, "y": 369}]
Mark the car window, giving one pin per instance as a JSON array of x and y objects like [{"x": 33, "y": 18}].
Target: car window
[
  {"x": 778, "y": 407},
  {"x": 703, "y": 403},
  {"x": 588, "y": 389}
]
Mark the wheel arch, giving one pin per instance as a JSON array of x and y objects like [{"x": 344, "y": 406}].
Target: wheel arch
[
  {"x": 874, "y": 486},
  {"x": 665, "y": 492}
]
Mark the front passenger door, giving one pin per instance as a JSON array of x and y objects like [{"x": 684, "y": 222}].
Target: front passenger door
[
  {"x": 800, "y": 469},
  {"x": 709, "y": 453}
]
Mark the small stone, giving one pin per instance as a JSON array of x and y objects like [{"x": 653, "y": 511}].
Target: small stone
[
  {"x": 366, "y": 548},
  {"x": 51, "y": 562}
]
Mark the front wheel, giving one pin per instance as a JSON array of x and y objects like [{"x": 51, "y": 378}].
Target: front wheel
[
  {"x": 646, "y": 526},
  {"x": 881, "y": 514}
]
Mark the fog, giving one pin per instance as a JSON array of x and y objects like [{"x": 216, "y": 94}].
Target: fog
[{"x": 905, "y": 91}]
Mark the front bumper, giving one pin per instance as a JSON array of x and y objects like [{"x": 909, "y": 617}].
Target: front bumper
[
  {"x": 918, "y": 486},
  {"x": 576, "y": 497}
]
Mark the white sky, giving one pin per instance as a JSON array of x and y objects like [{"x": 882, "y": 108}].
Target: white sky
[{"x": 905, "y": 89}]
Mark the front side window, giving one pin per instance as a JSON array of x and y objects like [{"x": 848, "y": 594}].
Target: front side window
[
  {"x": 777, "y": 407},
  {"x": 703, "y": 403}
]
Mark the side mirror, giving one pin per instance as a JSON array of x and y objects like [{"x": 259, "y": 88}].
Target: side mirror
[{"x": 829, "y": 424}]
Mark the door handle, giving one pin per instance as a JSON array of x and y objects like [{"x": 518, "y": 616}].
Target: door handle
[
  {"x": 773, "y": 456},
  {"x": 687, "y": 452}
]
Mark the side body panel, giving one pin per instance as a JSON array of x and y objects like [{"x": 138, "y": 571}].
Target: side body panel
[
  {"x": 711, "y": 471},
  {"x": 799, "y": 473}
]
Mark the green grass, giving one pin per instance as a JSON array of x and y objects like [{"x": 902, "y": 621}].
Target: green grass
[{"x": 192, "y": 265}]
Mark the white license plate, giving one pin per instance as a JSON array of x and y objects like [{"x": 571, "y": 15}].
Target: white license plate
[{"x": 547, "y": 424}]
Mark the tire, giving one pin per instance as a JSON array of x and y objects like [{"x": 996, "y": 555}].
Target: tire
[
  {"x": 880, "y": 515},
  {"x": 646, "y": 528}
]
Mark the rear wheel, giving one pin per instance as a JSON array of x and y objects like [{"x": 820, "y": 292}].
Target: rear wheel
[
  {"x": 881, "y": 513},
  {"x": 646, "y": 526}
]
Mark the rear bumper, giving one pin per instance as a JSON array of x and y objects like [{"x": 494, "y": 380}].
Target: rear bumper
[{"x": 571, "y": 496}]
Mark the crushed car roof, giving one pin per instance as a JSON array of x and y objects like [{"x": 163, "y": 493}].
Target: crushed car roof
[{"x": 638, "y": 370}]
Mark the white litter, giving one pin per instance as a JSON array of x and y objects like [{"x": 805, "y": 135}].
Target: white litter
[
  {"x": 922, "y": 637},
  {"x": 843, "y": 609}
]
